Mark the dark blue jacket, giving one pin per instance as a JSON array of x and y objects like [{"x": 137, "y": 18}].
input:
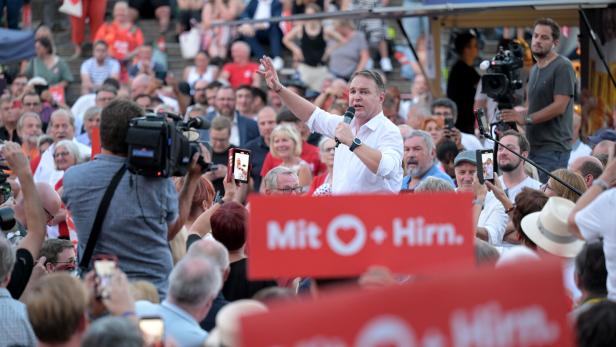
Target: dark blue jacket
[{"x": 247, "y": 127}]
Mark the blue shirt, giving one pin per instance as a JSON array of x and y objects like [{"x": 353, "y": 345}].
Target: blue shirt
[
  {"x": 136, "y": 224},
  {"x": 434, "y": 171},
  {"x": 179, "y": 325}
]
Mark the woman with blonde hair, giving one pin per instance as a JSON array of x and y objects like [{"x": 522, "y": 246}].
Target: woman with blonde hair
[
  {"x": 553, "y": 188},
  {"x": 286, "y": 145}
]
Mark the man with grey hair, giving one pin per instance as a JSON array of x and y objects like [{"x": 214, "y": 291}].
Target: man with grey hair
[
  {"x": 91, "y": 120},
  {"x": 113, "y": 332},
  {"x": 29, "y": 129},
  {"x": 434, "y": 184},
  {"x": 61, "y": 127},
  {"x": 193, "y": 285},
  {"x": 281, "y": 180},
  {"x": 420, "y": 160},
  {"x": 218, "y": 254},
  {"x": 15, "y": 328}
]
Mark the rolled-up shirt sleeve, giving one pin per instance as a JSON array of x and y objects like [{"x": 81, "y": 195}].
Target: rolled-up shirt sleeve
[
  {"x": 323, "y": 122},
  {"x": 391, "y": 148}
]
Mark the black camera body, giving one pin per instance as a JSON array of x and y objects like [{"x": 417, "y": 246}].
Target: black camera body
[
  {"x": 502, "y": 77},
  {"x": 158, "y": 145}
]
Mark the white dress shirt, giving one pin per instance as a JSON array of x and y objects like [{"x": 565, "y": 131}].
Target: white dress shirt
[
  {"x": 350, "y": 174},
  {"x": 494, "y": 219}
]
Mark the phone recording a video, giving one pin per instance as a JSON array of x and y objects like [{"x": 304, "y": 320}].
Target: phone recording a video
[
  {"x": 239, "y": 164},
  {"x": 153, "y": 330},
  {"x": 449, "y": 124},
  {"x": 104, "y": 267},
  {"x": 485, "y": 169}
]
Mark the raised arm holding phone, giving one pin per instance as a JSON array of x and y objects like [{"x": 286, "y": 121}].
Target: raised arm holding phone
[{"x": 371, "y": 159}]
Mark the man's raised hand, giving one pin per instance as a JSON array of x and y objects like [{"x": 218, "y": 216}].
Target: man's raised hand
[{"x": 269, "y": 74}]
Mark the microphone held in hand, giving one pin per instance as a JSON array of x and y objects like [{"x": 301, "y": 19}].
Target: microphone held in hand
[{"x": 347, "y": 118}]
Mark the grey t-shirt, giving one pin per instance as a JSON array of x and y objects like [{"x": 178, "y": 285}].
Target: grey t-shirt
[
  {"x": 135, "y": 227},
  {"x": 558, "y": 78},
  {"x": 344, "y": 59}
]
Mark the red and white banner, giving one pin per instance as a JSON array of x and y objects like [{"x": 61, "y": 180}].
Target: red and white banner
[
  {"x": 520, "y": 306},
  {"x": 343, "y": 235}
]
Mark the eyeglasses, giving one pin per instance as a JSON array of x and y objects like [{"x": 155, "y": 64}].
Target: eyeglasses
[
  {"x": 444, "y": 114},
  {"x": 200, "y": 89},
  {"x": 289, "y": 190},
  {"x": 545, "y": 187},
  {"x": 61, "y": 154},
  {"x": 71, "y": 261}
]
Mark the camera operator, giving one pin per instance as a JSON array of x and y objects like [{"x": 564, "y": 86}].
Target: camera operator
[
  {"x": 551, "y": 84},
  {"x": 143, "y": 211}
]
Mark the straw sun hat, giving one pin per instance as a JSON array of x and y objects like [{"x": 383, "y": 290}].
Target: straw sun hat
[{"x": 549, "y": 230}]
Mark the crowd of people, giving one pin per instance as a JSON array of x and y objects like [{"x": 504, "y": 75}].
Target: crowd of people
[{"x": 99, "y": 251}]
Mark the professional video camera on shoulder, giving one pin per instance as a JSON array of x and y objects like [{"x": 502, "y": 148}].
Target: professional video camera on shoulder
[
  {"x": 162, "y": 145},
  {"x": 502, "y": 77}
]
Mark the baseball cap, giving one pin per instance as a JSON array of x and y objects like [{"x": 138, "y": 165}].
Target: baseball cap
[{"x": 465, "y": 156}]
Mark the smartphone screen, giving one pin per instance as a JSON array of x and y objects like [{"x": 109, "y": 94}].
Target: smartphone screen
[
  {"x": 241, "y": 164},
  {"x": 104, "y": 268},
  {"x": 153, "y": 330},
  {"x": 485, "y": 171}
]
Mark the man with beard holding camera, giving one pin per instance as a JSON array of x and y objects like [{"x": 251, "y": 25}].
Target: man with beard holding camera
[
  {"x": 143, "y": 211},
  {"x": 549, "y": 116}
]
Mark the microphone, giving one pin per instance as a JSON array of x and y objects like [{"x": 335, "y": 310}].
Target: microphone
[
  {"x": 484, "y": 65},
  {"x": 347, "y": 118},
  {"x": 198, "y": 123}
]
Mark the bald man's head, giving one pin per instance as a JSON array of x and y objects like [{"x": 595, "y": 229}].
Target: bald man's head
[
  {"x": 589, "y": 167},
  {"x": 139, "y": 85}
]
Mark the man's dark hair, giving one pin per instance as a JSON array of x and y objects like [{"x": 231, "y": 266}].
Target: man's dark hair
[
  {"x": 590, "y": 268},
  {"x": 214, "y": 85},
  {"x": 229, "y": 225},
  {"x": 245, "y": 87},
  {"x": 259, "y": 93},
  {"x": 445, "y": 102},
  {"x": 107, "y": 88},
  {"x": 30, "y": 94},
  {"x": 462, "y": 41},
  {"x": 522, "y": 141},
  {"x": 373, "y": 75},
  {"x": 110, "y": 81},
  {"x": 590, "y": 167},
  {"x": 46, "y": 43},
  {"x": 101, "y": 42},
  {"x": 114, "y": 124},
  {"x": 552, "y": 24},
  {"x": 595, "y": 327},
  {"x": 286, "y": 116},
  {"x": 446, "y": 151},
  {"x": 52, "y": 247},
  {"x": 603, "y": 158}
]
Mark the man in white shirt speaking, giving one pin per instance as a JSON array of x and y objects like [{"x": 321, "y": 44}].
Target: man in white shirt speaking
[{"x": 370, "y": 157}]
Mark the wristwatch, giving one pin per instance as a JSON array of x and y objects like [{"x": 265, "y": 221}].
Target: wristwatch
[
  {"x": 356, "y": 143},
  {"x": 528, "y": 119},
  {"x": 601, "y": 183}
]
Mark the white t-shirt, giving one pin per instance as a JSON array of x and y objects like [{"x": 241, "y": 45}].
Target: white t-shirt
[
  {"x": 515, "y": 190},
  {"x": 579, "y": 149},
  {"x": 596, "y": 220},
  {"x": 494, "y": 219}
]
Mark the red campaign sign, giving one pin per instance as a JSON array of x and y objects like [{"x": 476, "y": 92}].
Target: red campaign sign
[
  {"x": 519, "y": 306},
  {"x": 343, "y": 235}
]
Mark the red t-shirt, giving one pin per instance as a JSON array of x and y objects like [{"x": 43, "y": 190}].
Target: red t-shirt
[
  {"x": 240, "y": 74},
  {"x": 310, "y": 154},
  {"x": 121, "y": 41}
]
